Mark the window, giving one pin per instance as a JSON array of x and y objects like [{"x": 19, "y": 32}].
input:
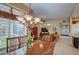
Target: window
[
  {"x": 4, "y": 27},
  {"x": 10, "y": 28},
  {"x": 18, "y": 29},
  {"x": 17, "y": 12},
  {"x": 5, "y": 8},
  {"x": 4, "y": 31}
]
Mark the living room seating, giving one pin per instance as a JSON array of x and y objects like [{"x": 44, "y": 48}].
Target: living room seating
[{"x": 43, "y": 47}]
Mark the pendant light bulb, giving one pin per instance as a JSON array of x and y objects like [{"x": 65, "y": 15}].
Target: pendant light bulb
[
  {"x": 28, "y": 17},
  {"x": 20, "y": 18},
  {"x": 37, "y": 19}
]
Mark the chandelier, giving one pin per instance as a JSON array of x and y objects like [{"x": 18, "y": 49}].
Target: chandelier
[{"x": 30, "y": 19}]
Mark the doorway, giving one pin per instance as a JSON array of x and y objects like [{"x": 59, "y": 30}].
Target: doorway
[{"x": 65, "y": 29}]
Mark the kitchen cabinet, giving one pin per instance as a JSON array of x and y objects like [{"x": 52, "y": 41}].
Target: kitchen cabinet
[{"x": 76, "y": 42}]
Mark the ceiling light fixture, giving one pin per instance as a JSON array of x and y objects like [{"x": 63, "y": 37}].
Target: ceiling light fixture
[
  {"x": 20, "y": 18},
  {"x": 31, "y": 22},
  {"x": 23, "y": 21},
  {"x": 36, "y": 19},
  {"x": 28, "y": 17}
]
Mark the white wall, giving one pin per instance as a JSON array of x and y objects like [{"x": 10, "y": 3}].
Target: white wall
[{"x": 76, "y": 10}]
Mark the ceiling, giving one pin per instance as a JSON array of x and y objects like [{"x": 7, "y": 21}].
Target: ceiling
[{"x": 52, "y": 10}]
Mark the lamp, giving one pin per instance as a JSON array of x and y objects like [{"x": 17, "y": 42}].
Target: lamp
[
  {"x": 48, "y": 24},
  {"x": 36, "y": 19},
  {"x": 20, "y": 18},
  {"x": 23, "y": 21},
  {"x": 28, "y": 17},
  {"x": 31, "y": 22}
]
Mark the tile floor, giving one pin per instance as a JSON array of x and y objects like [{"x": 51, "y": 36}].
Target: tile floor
[{"x": 64, "y": 47}]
